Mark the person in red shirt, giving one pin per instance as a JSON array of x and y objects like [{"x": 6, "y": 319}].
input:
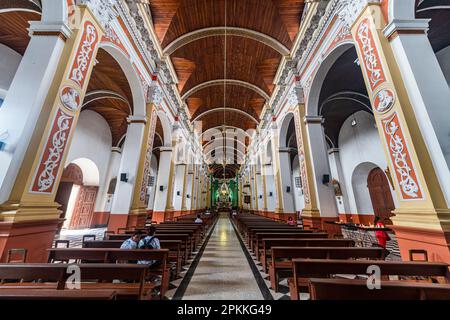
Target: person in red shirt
[{"x": 382, "y": 236}]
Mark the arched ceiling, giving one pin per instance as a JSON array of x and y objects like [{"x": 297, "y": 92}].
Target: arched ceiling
[
  {"x": 191, "y": 33},
  {"x": 14, "y": 28}
]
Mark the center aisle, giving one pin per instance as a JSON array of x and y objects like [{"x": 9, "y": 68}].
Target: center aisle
[{"x": 223, "y": 271}]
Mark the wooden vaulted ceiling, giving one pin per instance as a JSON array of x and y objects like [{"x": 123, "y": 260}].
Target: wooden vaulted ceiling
[
  {"x": 248, "y": 60},
  {"x": 14, "y": 28}
]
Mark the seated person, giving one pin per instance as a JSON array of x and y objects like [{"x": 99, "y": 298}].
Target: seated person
[
  {"x": 207, "y": 212},
  {"x": 199, "y": 219},
  {"x": 150, "y": 242},
  {"x": 132, "y": 242}
]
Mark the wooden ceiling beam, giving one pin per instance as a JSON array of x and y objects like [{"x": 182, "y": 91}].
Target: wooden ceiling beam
[
  {"x": 222, "y": 31},
  {"x": 219, "y": 82}
]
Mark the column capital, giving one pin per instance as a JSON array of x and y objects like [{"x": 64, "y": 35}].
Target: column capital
[
  {"x": 165, "y": 149},
  {"x": 137, "y": 119},
  {"x": 284, "y": 150},
  {"x": 313, "y": 119},
  {"x": 39, "y": 28},
  {"x": 333, "y": 150},
  {"x": 397, "y": 26}
]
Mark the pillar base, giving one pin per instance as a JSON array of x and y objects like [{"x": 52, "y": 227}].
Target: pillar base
[
  {"x": 137, "y": 220},
  {"x": 34, "y": 235},
  {"x": 435, "y": 242},
  {"x": 100, "y": 219},
  {"x": 159, "y": 216},
  {"x": 320, "y": 223},
  {"x": 117, "y": 221},
  {"x": 365, "y": 219}
]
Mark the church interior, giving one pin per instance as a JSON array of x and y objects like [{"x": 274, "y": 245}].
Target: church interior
[{"x": 224, "y": 149}]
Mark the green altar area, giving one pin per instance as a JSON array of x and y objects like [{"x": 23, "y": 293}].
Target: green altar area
[{"x": 224, "y": 193}]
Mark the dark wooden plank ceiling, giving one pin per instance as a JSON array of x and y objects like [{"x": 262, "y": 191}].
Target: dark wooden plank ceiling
[{"x": 247, "y": 60}]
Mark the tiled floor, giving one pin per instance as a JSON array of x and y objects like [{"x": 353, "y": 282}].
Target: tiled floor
[{"x": 223, "y": 271}]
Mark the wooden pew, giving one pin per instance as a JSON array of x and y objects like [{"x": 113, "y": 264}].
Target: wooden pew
[
  {"x": 267, "y": 244},
  {"x": 174, "y": 247},
  {"x": 93, "y": 276},
  {"x": 251, "y": 231},
  {"x": 342, "y": 289},
  {"x": 257, "y": 241},
  {"x": 110, "y": 255},
  {"x": 52, "y": 294},
  {"x": 280, "y": 264},
  {"x": 314, "y": 268}
]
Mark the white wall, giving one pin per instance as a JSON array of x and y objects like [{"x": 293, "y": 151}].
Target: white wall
[
  {"x": 360, "y": 144},
  {"x": 9, "y": 62},
  {"x": 443, "y": 57},
  {"x": 92, "y": 140}
]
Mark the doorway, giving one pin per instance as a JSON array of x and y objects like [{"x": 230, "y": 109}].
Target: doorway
[{"x": 380, "y": 194}]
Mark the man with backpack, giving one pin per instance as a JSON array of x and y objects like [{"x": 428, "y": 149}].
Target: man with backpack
[{"x": 149, "y": 242}]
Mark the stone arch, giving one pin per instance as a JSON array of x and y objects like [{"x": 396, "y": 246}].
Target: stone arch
[
  {"x": 167, "y": 128},
  {"x": 135, "y": 83},
  {"x": 312, "y": 106},
  {"x": 359, "y": 186},
  {"x": 284, "y": 126},
  {"x": 91, "y": 173}
]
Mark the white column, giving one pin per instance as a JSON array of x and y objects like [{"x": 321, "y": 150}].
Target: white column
[
  {"x": 321, "y": 167},
  {"x": 178, "y": 186},
  {"x": 163, "y": 179},
  {"x": 286, "y": 180},
  {"x": 342, "y": 202},
  {"x": 103, "y": 202},
  {"x": 189, "y": 180},
  {"x": 26, "y": 97},
  {"x": 260, "y": 190},
  {"x": 129, "y": 164},
  {"x": 270, "y": 188},
  {"x": 152, "y": 191},
  {"x": 428, "y": 90}
]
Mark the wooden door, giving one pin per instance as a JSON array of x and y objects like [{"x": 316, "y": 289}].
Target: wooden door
[
  {"x": 84, "y": 208},
  {"x": 380, "y": 194},
  {"x": 62, "y": 197}
]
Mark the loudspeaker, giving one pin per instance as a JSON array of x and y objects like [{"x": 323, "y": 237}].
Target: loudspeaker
[
  {"x": 161, "y": 188},
  {"x": 326, "y": 179},
  {"x": 124, "y": 177},
  {"x": 288, "y": 189},
  {"x": 260, "y": 196},
  {"x": 270, "y": 194},
  {"x": 178, "y": 193}
]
